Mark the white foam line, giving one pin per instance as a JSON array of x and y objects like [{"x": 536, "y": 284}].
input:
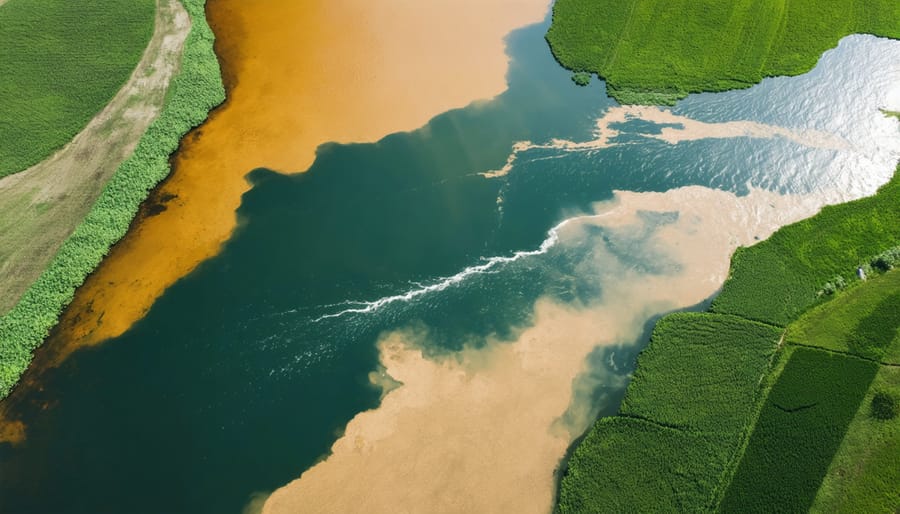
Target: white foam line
[{"x": 443, "y": 283}]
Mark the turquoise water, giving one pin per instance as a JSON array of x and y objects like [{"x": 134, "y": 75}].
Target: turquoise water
[{"x": 243, "y": 374}]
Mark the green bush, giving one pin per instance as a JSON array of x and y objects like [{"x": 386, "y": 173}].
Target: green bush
[
  {"x": 658, "y": 51},
  {"x": 884, "y": 406},
  {"x": 61, "y": 63},
  {"x": 582, "y": 78},
  {"x": 194, "y": 91}
]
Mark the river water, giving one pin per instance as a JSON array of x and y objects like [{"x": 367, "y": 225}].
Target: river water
[{"x": 245, "y": 372}]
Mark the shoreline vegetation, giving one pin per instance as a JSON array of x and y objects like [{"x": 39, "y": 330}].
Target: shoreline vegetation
[
  {"x": 659, "y": 51},
  {"x": 721, "y": 412},
  {"x": 194, "y": 91},
  {"x": 298, "y": 76}
]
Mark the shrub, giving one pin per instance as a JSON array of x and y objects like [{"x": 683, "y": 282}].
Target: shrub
[
  {"x": 582, "y": 78},
  {"x": 884, "y": 406}
]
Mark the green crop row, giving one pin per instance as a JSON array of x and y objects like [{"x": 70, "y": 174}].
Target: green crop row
[
  {"x": 777, "y": 280},
  {"x": 61, "y": 63},
  {"x": 681, "y": 423},
  {"x": 801, "y": 426},
  {"x": 659, "y": 51},
  {"x": 195, "y": 90}
]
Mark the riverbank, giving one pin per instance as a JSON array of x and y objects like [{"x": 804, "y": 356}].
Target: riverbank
[
  {"x": 193, "y": 92},
  {"x": 41, "y": 206},
  {"x": 358, "y": 71},
  {"x": 658, "y": 52},
  {"x": 770, "y": 285},
  {"x": 500, "y": 406}
]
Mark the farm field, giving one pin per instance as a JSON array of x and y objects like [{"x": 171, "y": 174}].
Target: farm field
[
  {"x": 805, "y": 417},
  {"x": 806, "y": 399},
  {"x": 77, "y": 220},
  {"x": 542, "y": 301},
  {"x": 684, "y": 415},
  {"x": 658, "y": 51},
  {"x": 863, "y": 320},
  {"x": 864, "y": 476},
  {"x": 41, "y": 206},
  {"x": 776, "y": 281},
  {"x": 62, "y": 62}
]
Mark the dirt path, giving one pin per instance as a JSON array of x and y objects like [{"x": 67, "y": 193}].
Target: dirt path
[{"x": 41, "y": 206}]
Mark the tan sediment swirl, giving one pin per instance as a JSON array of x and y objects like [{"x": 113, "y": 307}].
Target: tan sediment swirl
[{"x": 482, "y": 430}]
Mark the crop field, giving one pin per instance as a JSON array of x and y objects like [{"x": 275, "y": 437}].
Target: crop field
[
  {"x": 62, "y": 61},
  {"x": 780, "y": 278},
  {"x": 863, "y": 320},
  {"x": 864, "y": 475},
  {"x": 699, "y": 373},
  {"x": 194, "y": 90},
  {"x": 632, "y": 465},
  {"x": 682, "y": 420},
  {"x": 658, "y": 51},
  {"x": 804, "y": 419}
]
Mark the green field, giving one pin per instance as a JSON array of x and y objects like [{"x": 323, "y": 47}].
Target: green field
[
  {"x": 658, "y": 51},
  {"x": 864, "y": 475},
  {"x": 779, "y": 279},
  {"x": 62, "y": 62},
  {"x": 683, "y": 419},
  {"x": 805, "y": 417},
  {"x": 715, "y": 418},
  {"x": 195, "y": 90},
  {"x": 836, "y": 325}
]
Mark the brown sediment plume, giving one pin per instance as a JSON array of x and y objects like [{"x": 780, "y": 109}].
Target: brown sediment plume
[
  {"x": 684, "y": 129},
  {"x": 483, "y": 430},
  {"x": 298, "y": 73}
]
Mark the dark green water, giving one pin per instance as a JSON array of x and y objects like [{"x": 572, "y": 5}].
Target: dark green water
[{"x": 244, "y": 372}]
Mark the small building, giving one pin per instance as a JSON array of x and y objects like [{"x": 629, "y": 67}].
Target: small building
[{"x": 861, "y": 273}]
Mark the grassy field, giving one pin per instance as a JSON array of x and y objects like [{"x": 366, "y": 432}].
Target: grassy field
[
  {"x": 716, "y": 419},
  {"x": 658, "y": 51},
  {"x": 195, "y": 90},
  {"x": 864, "y": 475},
  {"x": 836, "y": 326},
  {"x": 779, "y": 279},
  {"x": 683, "y": 418},
  {"x": 805, "y": 417},
  {"x": 40, "y": 208},
  {"x": 62, "y": 61}
]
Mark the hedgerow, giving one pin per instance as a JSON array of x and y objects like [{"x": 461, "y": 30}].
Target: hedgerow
[
  {"x": 659, "y": 51},
  {"x": 195, "y": 90}
]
